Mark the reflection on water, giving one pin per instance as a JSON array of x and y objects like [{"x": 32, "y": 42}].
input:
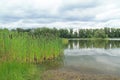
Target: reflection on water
[
  {"x": 95, "y": 56},
  {"x": 106, "y": 44}
]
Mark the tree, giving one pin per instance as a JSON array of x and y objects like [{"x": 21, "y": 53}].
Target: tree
[
  {"x": 100, "y": 33},
  {"x": 63, "y": 33}
]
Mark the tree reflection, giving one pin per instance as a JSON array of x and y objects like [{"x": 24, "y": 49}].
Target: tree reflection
[{"x": 106, "y": 44}]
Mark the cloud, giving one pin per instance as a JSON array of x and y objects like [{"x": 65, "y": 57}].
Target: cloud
[
  {"x": 78, "y": 4},
  {"x": 59, "y": 13}
]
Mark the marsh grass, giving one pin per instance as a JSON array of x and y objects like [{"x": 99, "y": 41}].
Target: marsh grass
[
  {"x": 65, "y": 41},
  {"x": 20, "y": 52},
  {"x": 26, "y": 48}
]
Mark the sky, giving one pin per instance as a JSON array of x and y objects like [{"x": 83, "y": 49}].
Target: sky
[{"x": 59, "y": 13}]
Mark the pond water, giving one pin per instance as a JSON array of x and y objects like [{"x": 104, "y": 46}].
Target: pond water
[{"x": 95, "y": 56}]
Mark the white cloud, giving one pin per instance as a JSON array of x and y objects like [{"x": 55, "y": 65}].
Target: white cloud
[
  {"x": 111, "y": 12},
  {"x": 59, "y": 13}
]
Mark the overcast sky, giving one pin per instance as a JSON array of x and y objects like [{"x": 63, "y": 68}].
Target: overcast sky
[{"x": 59, "y": 13}]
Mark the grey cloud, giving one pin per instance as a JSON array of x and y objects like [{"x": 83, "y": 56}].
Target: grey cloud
[
  {"x": 84, "y": 18},
  {"x": 79, "y": 6}
]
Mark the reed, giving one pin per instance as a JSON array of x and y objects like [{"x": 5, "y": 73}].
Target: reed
[
  {"x": 26, "y": 48},
  {"x": 64, "y": 41},
  {"x": 19, "y": 52}
]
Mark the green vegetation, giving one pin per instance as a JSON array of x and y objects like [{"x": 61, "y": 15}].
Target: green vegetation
[
  {"x": 30, "y": 47},
  {"x": 80, "y": 33},
  {"x": 91, "y": 33},
  {"x": 21, "y": 50},
  {"x": 16, "y": 71},
  {"x": 65, "y": 41}
]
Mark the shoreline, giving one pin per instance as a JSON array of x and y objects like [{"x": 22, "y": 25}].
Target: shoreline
[
  {"x": 117, "y": 39},
  {"x": 71, "y": 75}
]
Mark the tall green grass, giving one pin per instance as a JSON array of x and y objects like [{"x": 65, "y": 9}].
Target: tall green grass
[
  {"x": 19, "y": 52},
  {"x": 16, "y": 71},
  {"x": 26, "y": 48}
]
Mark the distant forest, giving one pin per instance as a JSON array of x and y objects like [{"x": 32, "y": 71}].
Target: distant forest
[{"x": 70, "y": 33}]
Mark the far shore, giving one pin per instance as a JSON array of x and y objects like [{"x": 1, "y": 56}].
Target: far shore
[{"x": 93, "y": 39}]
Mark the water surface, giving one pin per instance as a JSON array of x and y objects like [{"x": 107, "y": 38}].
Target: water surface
[{"x": 93, "y": 56}]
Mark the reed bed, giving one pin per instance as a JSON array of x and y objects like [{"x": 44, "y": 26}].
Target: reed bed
[
  {"x": 20, "y": 51},
  {"x": 24, "y": 47}
]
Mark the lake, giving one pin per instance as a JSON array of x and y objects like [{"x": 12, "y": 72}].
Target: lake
[
  {"x": 89, "y": 57},
  {"x": 93, "y": 56}
]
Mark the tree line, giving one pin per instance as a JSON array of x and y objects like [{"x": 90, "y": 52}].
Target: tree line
[
  {"x": 91, "y": 33},
  {"x": 70, "y": 33}
]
